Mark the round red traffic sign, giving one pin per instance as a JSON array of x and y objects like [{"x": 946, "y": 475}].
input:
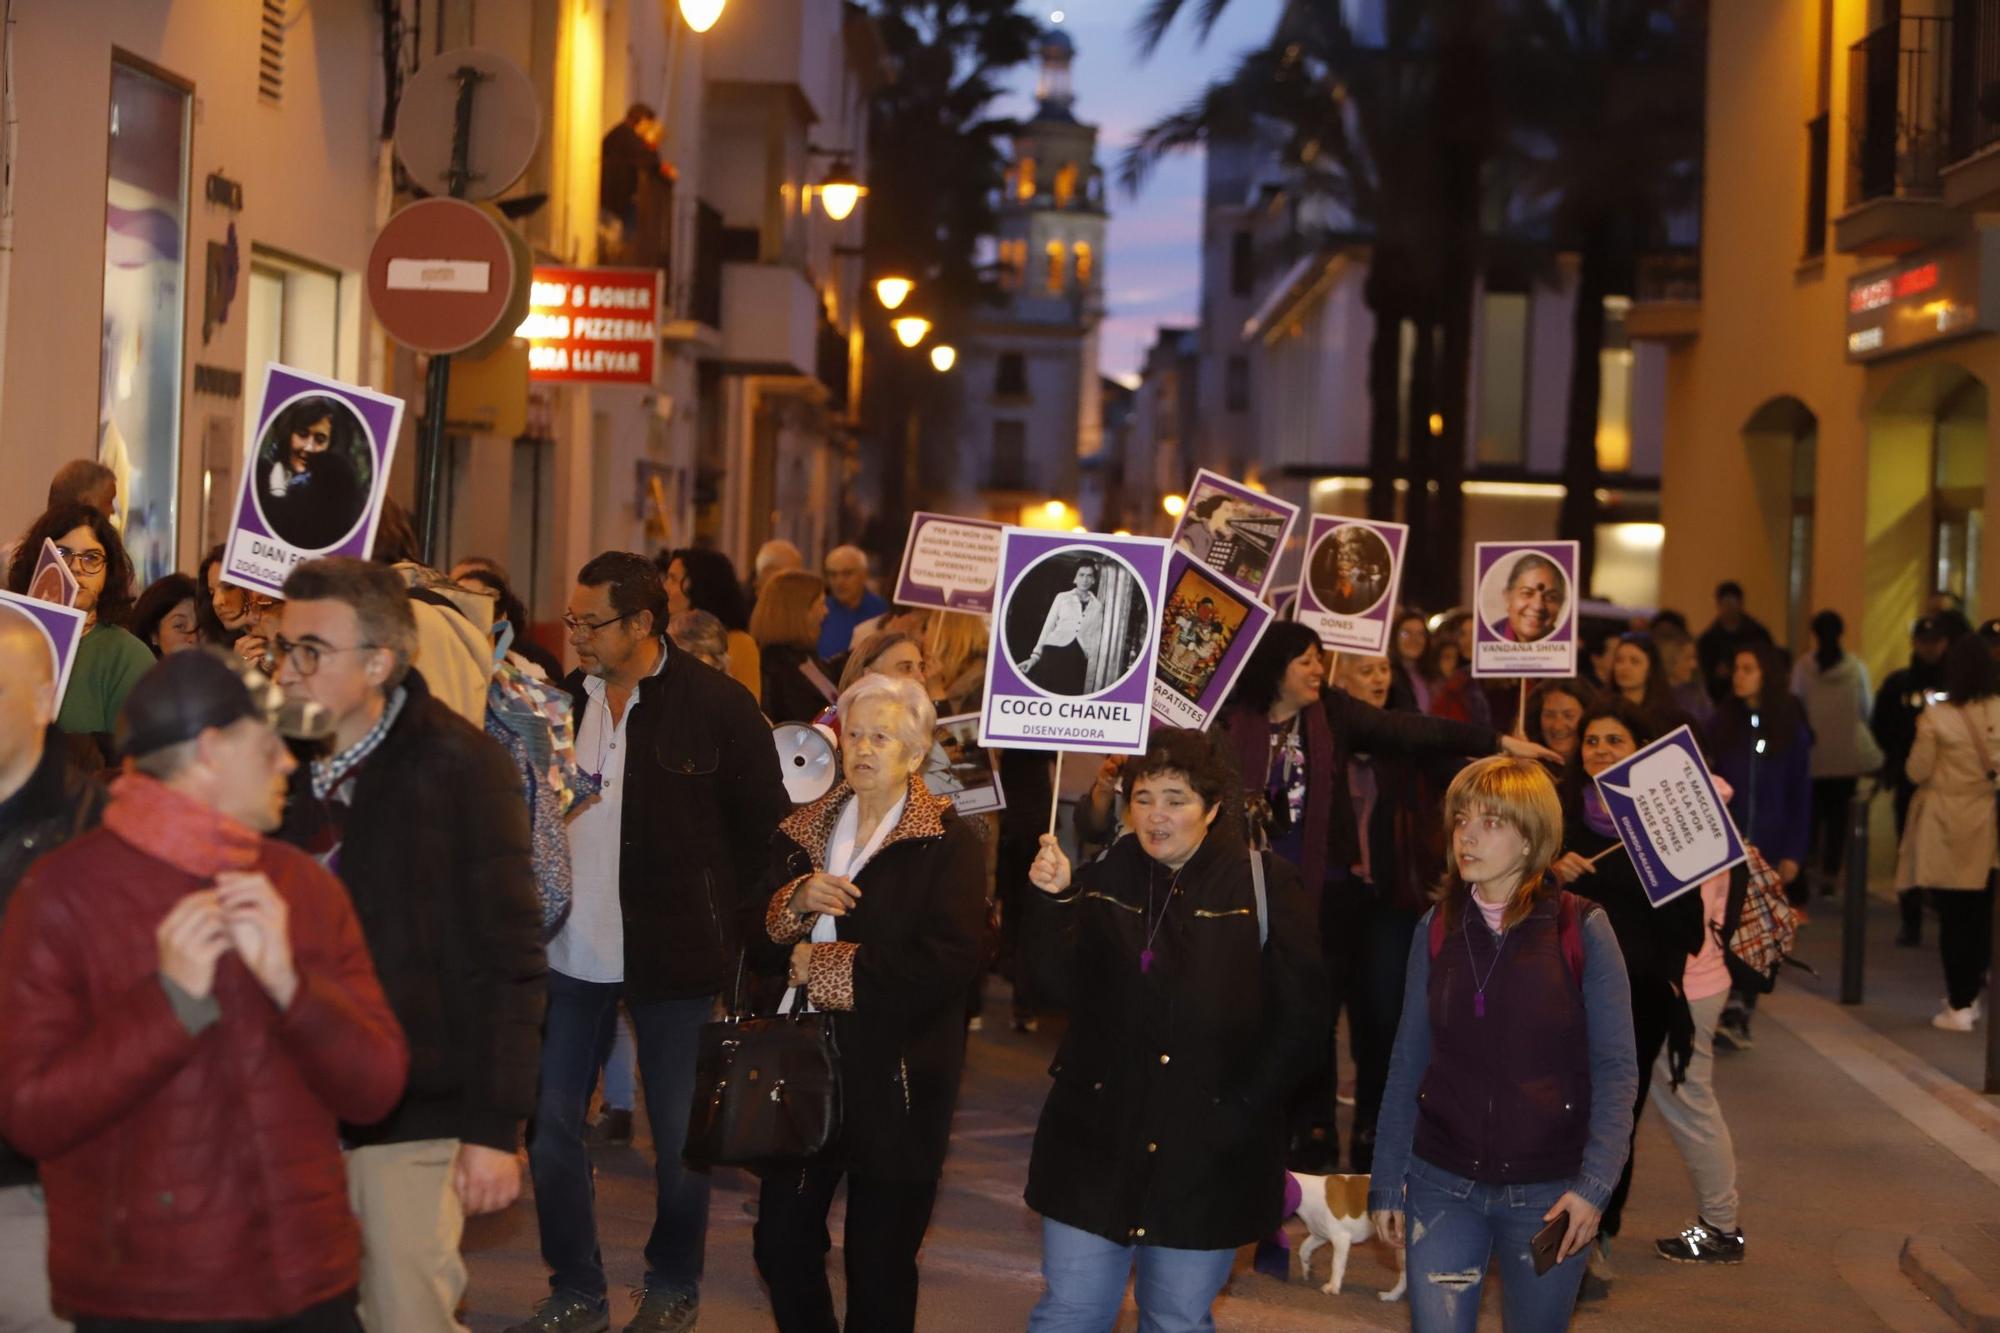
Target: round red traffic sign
[{"x": 441, "y": 275}]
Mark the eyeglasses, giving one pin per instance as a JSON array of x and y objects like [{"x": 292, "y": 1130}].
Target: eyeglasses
[
  {"x": 83, "y": 562},
  {"x": 304, "y": 657},
  {"x": 592, "y": 627}
]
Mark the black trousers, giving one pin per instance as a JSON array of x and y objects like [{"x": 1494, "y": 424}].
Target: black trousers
[
  {"x": 335, "y": 1316},
  {"x": 1346, "y": 906},
  {"x": 1828, "y": 847},
  {"x": 1965, "y": 940},
  {"x": 1909, "y": 902},
  {"x": 1652, "y": 1001},
  {"x": 886, "y": 1221}
]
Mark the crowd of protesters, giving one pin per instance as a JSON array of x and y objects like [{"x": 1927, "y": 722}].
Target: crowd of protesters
[{"x": 332, "y": 913}]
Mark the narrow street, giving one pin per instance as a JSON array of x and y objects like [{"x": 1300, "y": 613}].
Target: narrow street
[{"x": 1849, "y": 1143}]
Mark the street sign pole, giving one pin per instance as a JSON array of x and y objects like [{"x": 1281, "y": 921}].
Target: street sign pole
[{"x": 438, "y": 385}]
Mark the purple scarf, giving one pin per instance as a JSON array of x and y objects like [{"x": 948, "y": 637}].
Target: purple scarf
[{"x": 1595, "y": 816}]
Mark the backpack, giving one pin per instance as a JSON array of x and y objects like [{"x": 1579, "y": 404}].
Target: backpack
[
  {"x": 1759, "y": 927},
  {"x": 1569, "y": 931},
  {"x": 531, "y": 721}
]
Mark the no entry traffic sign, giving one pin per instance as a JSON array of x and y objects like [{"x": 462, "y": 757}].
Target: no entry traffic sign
[{"x": 442, "y": 275}]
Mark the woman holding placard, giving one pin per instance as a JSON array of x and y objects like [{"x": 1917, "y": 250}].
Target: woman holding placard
[
  {"x": 1509, "y": 1107},
  {"x": 1188, "y": 966},
  {"x": 1656, "y": 942}
]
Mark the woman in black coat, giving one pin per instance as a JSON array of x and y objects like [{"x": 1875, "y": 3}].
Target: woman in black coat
[
  {"x": 1163, "y": 1139},
  {"x": 881, "y": 901},
  {"x": 1655, "y": 941}
]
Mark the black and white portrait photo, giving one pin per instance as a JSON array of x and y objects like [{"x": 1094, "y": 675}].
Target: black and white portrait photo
[{"x": 1076, "y": 622}]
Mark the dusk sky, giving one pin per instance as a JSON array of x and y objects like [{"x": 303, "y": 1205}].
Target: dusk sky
[{"x": 1153, "y": 259}]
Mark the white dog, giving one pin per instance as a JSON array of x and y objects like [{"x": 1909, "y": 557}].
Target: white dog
[{"x": 1335, "y": 1211}]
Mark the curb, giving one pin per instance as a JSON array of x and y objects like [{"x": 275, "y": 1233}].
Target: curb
[{"x": 1940, "y": 1276}]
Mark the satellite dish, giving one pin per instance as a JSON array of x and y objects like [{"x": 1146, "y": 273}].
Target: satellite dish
[{"x": 809, "y": 759}]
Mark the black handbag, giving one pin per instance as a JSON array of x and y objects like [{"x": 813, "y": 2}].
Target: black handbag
[{"x": 766, "y": 1089}]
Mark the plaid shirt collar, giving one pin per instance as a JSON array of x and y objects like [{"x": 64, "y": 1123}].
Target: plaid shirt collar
[{"x": 330, "y": 772}]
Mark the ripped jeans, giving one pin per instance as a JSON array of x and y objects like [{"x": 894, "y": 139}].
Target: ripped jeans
[{"x": 1456, "y": 1227}]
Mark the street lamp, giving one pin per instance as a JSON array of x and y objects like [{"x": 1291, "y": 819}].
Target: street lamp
[
  {"x": 839, "y": 192},
  {"x": 910, "y": 329},
  {"x": 943, "y": 357},
  {"x": 892, "y": 291},
  {"x": 701, "y": 14},
  {"x": 1175, "y": 505},
  {"x": 1055, "y": 509}
]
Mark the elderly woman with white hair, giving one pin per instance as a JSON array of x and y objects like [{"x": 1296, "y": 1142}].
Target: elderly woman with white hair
[{"x": 880, "y": 900}]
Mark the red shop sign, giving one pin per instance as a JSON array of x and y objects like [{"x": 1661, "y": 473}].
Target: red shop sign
[{"x": 592, "y": 325}]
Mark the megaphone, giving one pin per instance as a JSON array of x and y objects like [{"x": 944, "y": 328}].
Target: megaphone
[{"x": 809, "y": 758}]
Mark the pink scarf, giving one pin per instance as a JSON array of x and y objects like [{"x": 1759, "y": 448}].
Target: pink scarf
[{"x": 172, "y": 826}]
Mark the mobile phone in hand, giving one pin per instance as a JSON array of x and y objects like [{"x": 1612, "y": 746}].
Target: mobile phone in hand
[{"x": 1547, "y": 1244}]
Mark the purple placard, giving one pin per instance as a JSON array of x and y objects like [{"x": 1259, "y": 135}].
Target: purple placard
[
  {"x": 1524, "y": 609},
  {"x": 52, "y": 580},
  {"x": 1348, "y": 581},
  {"x": 1207, "y": 633},
  {"x": 61, "y": 627},
  {"x": 1673, "y": 822},
  {"x": 315, "y": 478},
  {"x": 1235, "y": 531},
  {"x": 950, "y": 563},
  {"x": 1070, "y": 661}
]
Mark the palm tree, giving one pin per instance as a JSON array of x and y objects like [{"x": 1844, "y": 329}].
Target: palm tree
[
  {"x": 1396, "y": 134},
  {"x": 1609, "y": 100}
]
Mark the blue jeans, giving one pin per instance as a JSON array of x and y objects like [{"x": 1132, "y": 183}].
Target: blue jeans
[
  {"x": 575, "y": 1042},
  {"x": 1086, "y": 1284},
  {"x": 621, "y": 1070},
  {"x": 1456, "y": 1227}
]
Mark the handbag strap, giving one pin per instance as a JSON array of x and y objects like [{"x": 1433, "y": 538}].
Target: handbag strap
[
  {"x": 1263, "y": 903},
  {"x": 1974, "y": 730}
]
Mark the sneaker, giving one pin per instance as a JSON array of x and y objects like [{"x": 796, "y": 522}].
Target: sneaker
[
  {"x": 1597, "y": 1271},
  {"x": 614, "y": 1128},
  {"x": 1702, "y": 1244},
  {"x": 567, "y": 1312},
  {"x": 663, "y": 1312},
  {"x": 975, "y": 1024},
  {"x": 1027, "y": 1023},
  {"x": 1732, "y": 1033},
  {"x": 1948, "y": 1019}
]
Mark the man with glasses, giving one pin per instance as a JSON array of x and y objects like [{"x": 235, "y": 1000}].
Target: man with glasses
[
  {"x": 667, "y": 859},
  {"x": 422, "y": 817}
]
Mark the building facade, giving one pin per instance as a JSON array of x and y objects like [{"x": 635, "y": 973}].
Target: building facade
[
  {"x": 238, "y": 157},
  {"x": 1828, "y": 432},
  {"x": 1030, "y": 412}
]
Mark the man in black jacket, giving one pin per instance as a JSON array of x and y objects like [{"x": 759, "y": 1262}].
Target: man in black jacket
[
  {"x": 423, "y": 819},
  {"x": 45, "y": 800},
  {"x": 667, "y": 858}
]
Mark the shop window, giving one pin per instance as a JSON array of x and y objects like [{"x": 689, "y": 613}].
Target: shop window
[
  {"x": 145, "y": 232},
  {"x": 1024, "y": 179},
  {"x": 1083, "y": 263},
  {"x": 1056, "y": 256},
  {"x": 1503, "y": 378},
  {"x": 1614, "y": 390}
]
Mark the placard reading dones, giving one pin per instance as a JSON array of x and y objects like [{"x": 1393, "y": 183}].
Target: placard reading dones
[
  {"x": 315, "y": 477},
  {"x": 1347, "y": 594},
  {"x": 1524, "y": 609},
  {"x": 1075, "y": 640}
]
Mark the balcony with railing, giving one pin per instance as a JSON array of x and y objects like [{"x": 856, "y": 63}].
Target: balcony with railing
[
  {"x": 1899, "y": 130},
  {"x": 1666, "y": 298},
  {"x": 1972, "y": 176}
]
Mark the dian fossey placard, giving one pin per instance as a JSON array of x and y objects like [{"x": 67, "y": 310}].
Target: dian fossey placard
[
  {"x": 1524, "y": 621},
  {"x": 1234, "y": 530},
  {"x": 1076, "y": 635},
  {"x": 317, "y": 475}
]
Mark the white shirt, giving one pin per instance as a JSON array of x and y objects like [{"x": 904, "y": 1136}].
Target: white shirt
[
  {"x": 844, "y": 859},
  {"x": 591, "y": 944},
  {"x": 1067, "y": 620}
]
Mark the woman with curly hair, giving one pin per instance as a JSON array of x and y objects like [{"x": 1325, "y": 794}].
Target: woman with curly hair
[{"x": 109, "y": 660}]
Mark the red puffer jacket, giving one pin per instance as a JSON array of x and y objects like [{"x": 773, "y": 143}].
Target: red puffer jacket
[{"x": 188, "y": 1177}]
